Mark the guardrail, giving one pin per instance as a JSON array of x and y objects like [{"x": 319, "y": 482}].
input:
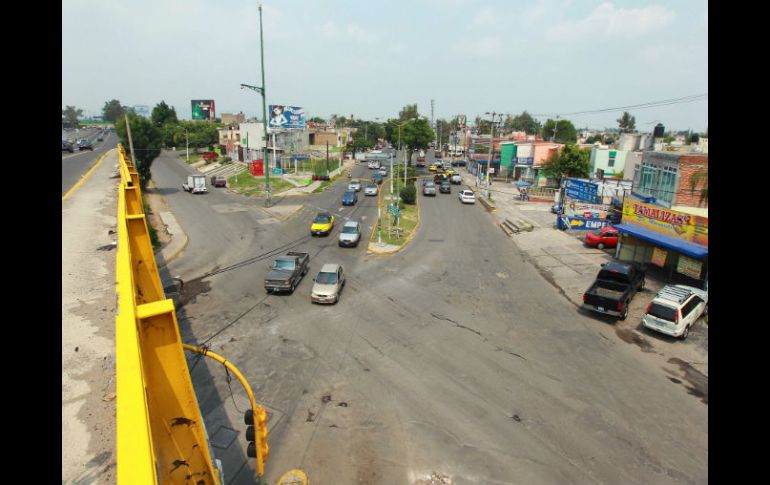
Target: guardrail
[{"x": 161, "y": 436}]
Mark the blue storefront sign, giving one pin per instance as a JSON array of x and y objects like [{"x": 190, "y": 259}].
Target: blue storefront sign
[
  {"x": 580, "y": 190},
  {"x": 523, "y": 160},
  {"x": 581, "y": 223}
]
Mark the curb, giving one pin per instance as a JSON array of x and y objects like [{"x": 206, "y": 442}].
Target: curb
[
  {"x": 173, "y": 256},
  {"x": 86, "y": 175},
  {"x": 411, "y": 236},
  {"x": 168, "y": 252}
]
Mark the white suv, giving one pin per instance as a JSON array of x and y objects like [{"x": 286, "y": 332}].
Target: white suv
[
  {"x": 467, "y": 197},
  {"x": 675, "y": 309}
]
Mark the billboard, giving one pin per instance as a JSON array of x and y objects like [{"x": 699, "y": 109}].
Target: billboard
[
  {"x": 581, "y": 190},
  {"x": 691, "y": 228},
  {"x": 282, "y": 116},
  {"x": 460, "y": 121},
  {"x": 203, "y": 109}
]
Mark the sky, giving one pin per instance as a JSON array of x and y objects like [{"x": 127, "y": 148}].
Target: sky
[{"x": 371, "y": 58}]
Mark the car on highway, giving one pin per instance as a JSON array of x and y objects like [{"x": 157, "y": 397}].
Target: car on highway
[
  {"x": 85, "y": 145},
  {"x": 467, "y": 197},
  {"x": 66, "y": 146},
  {"x": 371, "y": 189},
  {"x": 429, "y": 188},
  {"x": 354, "y": 185},
  {"x": 377, "y": 177},
  {"x": 350, "y": 197},
  {"x": 383, "y": 171},
  {"x": 322, "y": 224},
  {"x": 350, "y": 234},
  {"x": 100, "y": 138},
  {"x": 445, "y": 188},
  {"x": 432, "y": 168},
  {"x": 606, "y": 237},
  {"x": 456, "y": 179},
  {"x": 449, "y": 171},
  {"x": 438, "y": 162},
  {"x": 675, "y": 309},
  {"x": 328, "y": 284}
]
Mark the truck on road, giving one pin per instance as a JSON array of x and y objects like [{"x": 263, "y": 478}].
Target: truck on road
[
  {"x": 613, "y": 289},
  {"x": 287, "y": 271},
  {"x": 196, "y": 184}
]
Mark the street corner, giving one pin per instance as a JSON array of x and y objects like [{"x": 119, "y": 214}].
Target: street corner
[{"x": 382, "y": 248}]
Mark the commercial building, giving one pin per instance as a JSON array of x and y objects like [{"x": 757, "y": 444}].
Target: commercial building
[
  {"x": 233, "y": 120},
  {"x": 613, "y": 162}
]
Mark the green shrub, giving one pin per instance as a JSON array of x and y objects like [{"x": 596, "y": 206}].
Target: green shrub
[{"x": 409, "y": 194}]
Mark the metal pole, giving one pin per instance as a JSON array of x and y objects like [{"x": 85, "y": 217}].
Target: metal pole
[
  {"x": 491, "y": 151},
  {"x": 391, "y": 178},
  {"x": 268, "y": 202},
  {"x": 187, "y": 144}
]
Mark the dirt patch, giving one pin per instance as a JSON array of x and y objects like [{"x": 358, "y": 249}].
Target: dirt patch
[
  {"x": 190, "y": 290},
  {"x": 699, "y": 382},
  {"x": 631, "y": 337}
]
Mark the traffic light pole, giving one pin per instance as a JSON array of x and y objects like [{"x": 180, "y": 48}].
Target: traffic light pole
[
  {"x": 268, "y": 202},
  {"x": 256, "y": 409}
]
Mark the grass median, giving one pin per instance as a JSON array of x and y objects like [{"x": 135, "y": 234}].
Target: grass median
[
  {"x": 408, "y": 222},
  {"x": 251, "y": 186}
]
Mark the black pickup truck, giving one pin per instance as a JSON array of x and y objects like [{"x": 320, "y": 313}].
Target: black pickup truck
[
  {"x": 613, "y": 289},
  {"x": 287, "y": 271}
]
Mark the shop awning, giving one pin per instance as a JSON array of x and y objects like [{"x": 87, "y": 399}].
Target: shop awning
[{"x": 685, "y": 247}]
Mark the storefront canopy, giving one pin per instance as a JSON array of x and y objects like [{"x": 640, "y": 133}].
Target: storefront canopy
[{"x": 690, "y": 249}]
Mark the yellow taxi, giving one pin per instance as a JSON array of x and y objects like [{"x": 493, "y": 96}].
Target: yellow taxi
[
  {"x": 449, "y": 171},
  {"x": 432, "y": 168},
  {"x": 322, "y": 224}
]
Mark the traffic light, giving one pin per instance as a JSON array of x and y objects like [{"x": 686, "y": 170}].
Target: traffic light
[{"x": 256, "y": 437}]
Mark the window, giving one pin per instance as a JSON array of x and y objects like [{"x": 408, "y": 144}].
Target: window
[
  {"x": 326, "y": 278},
  {"x": 663, "y": 312}
]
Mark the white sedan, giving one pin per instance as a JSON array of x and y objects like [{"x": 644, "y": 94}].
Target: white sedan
[
  {"x": 355, "y": 185},
  {"x": 371, "y": 189},
  {"x": 467, "y": 197}
]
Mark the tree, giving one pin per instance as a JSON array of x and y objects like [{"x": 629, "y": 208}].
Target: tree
[
  {"x": 69, "y": 116},
  {"x": 147, "y": 142},
  {"x": 569, "y": 162},
  {"x": 112, "y": 110},
  {"x": 408, "y": 111},
  {"x": 416, "y": 135},
  {"x": 318, "y": 120},
  {"x": 444, "y": 130},
  {"x": 483, "y": 126},
  {"x": 565, "y": 131},
  {"x": 627, "y": 123},
  {"x": 162, "y": 114},
  {"x": 360, "y": 143},
  {"x": 523, "y": 122}
]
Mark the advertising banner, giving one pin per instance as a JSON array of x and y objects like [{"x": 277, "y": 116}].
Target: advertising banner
[
  {"x": 529, "y": 161},
  {"x": 578, "y": 208},
  {"x": 581, "y": 190},
  {"x": 673, "y": 223},
  {"x": 461, "y": 120},
  {"x": 203, "y": 109},
  {"x": 688, "y": 266},
  {"x": 581, "y": 223},
  {"x": 282, "y": 116}
]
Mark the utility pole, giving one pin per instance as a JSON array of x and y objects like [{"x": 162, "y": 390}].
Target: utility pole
[
  {"x": 491, "y": 149},
  {"x": 555, "y": 128},
  {"x": 187, "y": 144},
  {"x": 268, "y": 202}
]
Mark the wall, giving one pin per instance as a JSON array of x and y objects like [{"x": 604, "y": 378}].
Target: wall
[
  {"x": 227, "y": 135},
  {"x": 689, "y": 165},
  {"x": 251, "y": 135},
  {"x": 600, "y": 159},
  {"x": 233, "y": 119}
]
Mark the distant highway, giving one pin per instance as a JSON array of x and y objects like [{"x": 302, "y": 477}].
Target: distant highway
[{"x": 74, "y": 165}]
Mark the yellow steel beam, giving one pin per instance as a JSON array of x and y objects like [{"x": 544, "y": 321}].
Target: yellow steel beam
[{"x": 160, "y": 433}]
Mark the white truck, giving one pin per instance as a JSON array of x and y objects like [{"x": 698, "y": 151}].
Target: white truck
[{"x": 196, "y": 184}]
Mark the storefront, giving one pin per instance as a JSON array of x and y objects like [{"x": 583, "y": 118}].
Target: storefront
[{"x": 671, "y": 243}]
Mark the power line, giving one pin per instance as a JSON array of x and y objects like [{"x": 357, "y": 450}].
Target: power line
[{"x": 651, "y": 104}]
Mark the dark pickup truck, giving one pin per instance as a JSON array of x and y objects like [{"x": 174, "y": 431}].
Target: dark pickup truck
[
  {"x": 218, "y": 181},
  {"x": 613, "y": 289},
  {"x": 287, "y": 271}
]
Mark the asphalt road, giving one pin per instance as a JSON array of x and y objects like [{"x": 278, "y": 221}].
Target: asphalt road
[
  {"x": 452, "y": 356},
  {"x": 75, "y": 165}
]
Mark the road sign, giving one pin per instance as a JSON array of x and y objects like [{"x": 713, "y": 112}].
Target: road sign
[{"x": 394, "y": 210}]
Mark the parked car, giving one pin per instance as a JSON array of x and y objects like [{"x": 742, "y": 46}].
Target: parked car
[
  {"x": 209, "y": 156},
  {"x": 322, "y": 224},
  {"x": 350, "y": 234},
  {"x": 467, "y": 197},
  {"x": 429, "y": 189},
  {"x": 456, "y": 179},
  {"x": 615, "y": 286},
  {"x": 606, "y": 237},
  {"x": 328, "y": 284},
  {"x": 218, "y": 181},
  {"x": 287, "y": 271},
  {"x": 675, "y": 309},
  {"x": 66, "y": 146},
  {"x": 354, "y": 185},
  {"x": 85, "y": 145},
  {"x": 371, "y": 189},
  {"x": 350, "y": 197},
  {"x": 445, "y": 188},
  {"x": 459, "y": 163}
]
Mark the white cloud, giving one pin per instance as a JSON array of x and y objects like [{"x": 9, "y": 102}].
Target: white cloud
[
  {"x": 483, "y": 46},
  {"x": 610, "y": 21},
  {"x": 359, "y": 34},
  {"x": 329, "y": 29},
  {"x": 486, "y": 18}
]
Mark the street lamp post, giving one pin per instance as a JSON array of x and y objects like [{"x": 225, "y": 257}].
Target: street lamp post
[{"x": 187, "y": 144}]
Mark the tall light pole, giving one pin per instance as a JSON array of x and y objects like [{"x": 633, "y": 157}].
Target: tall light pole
[
  {"x": 491, "y": 147},
  {"x": 187, "y": 144},
  {"x": 261, "y": 90}
]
